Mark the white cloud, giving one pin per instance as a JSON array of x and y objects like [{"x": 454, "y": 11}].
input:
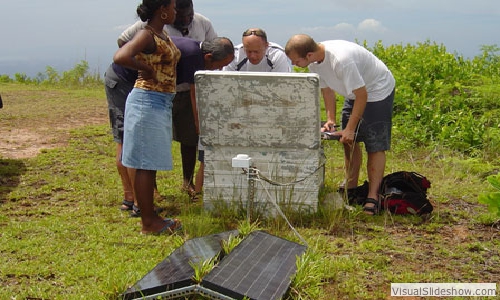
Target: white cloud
[
  {"x": 344, "y": 27},
  {"x": 343, "y": 31},
  {"x": 368, "y": 29},
  {"x": 371, "y": 25}
]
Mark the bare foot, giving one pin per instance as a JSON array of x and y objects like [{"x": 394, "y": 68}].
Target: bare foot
[{"x": 162, "y": 226}]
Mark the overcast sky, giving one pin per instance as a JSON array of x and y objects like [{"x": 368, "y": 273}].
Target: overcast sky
[{"x": 58, "y": 33}]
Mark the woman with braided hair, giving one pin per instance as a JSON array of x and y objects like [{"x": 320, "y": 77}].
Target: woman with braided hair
[{"x": 148, "y": 113}]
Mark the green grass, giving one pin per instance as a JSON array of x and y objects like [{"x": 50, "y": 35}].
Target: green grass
[{"x": 63, "y": 236}]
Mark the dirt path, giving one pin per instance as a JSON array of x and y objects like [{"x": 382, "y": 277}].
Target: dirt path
[
  {"x": 25, "y": 130},
  {"x": 24, "y": 142}
]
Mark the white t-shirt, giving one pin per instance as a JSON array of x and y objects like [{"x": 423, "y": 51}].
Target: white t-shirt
[
  {"x": 200, "y": 29},
  {"x": 275, "y": 60},
  {"x": 348, "y": 66}
]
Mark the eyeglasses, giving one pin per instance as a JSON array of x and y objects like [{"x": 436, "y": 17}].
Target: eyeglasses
[{"x": 257, "y": 32}]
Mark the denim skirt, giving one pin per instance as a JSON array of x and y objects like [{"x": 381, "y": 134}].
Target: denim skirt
[{"x": 147, "y": 137}]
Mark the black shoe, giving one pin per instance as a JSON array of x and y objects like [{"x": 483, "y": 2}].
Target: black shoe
[{"x": 355, "y": 196}]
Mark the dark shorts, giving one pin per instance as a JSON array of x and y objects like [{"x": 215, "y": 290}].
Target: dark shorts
[
  {"x": 117, "y": 91},
  {"x": 184, "y": 130},
  {"x": 201, "y": 155},
  {"x": 375, "y": 126}
]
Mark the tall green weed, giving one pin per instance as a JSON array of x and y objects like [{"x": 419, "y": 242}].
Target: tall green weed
[
  {"x": 444, "y": 99},
  {"x": 492, "y": 199}
]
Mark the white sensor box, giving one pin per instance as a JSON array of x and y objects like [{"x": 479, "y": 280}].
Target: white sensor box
[
  {"x": 274, "y": 119},
  {"x": 241, "y": 161}
]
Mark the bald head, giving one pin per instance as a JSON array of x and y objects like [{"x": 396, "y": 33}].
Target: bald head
[
  {"x": 301, "y": 44},
  {"x": 302, "y": 50},
  {"x": 255, "y": 44}
]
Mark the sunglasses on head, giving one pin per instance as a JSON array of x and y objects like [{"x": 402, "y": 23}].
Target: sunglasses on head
[{"x": 257, "y": 32}]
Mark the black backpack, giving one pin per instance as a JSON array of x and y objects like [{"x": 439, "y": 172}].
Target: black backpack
[{"x": 405, "y": 192}]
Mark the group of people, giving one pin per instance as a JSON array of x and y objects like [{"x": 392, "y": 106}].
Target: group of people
[{"x": 153, "y": 74}]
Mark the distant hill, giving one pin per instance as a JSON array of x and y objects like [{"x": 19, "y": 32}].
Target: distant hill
[{"x": 32, "y": 67}]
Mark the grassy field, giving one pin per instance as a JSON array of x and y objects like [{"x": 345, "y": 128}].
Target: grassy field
[{"x": 63, "y": 236}]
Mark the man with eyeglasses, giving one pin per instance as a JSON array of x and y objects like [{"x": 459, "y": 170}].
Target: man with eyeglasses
[{"x": 256, "y": 54}]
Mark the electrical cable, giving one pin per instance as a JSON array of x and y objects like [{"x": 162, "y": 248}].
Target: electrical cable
[
  {"x": 257, "y": 175},
  {"x": 351, "y": 154},
  {"x": 282, "y": 214},
  {"x": 260, "y": 176}
]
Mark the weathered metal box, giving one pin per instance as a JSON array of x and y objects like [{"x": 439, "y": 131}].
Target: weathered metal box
[{"x": 275, "y": 119}]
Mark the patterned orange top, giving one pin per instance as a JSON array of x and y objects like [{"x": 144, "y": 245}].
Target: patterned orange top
[{"x": 163, "y": 61}]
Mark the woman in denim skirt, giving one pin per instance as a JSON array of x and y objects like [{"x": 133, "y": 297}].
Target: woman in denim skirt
[{"x": 148, "y": 112}]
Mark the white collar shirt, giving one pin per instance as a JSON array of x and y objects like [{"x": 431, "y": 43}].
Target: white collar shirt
[
  {"x": 200, "y": 29},
  {"x": 275, "y": 60}
]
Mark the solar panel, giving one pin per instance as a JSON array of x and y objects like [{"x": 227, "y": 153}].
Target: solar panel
[
  {"x": 175, "y": 272},
  {"x": 260, "y": 267}
]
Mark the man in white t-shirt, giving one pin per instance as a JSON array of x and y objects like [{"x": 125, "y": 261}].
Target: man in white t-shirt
[
  {"x": 368, "y": 87},
  {"x": 256, "y": 54}
]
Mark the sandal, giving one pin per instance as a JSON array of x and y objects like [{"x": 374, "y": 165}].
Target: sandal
[
  {"x": 136, "y": 211},
  {"x": 189, "y": 190},
  {"x": 196, "y": 197},
  {"x": 127, "y": 205},
  {"x": 171, "y": 226},
  {"x": 371, "y": 210}
]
